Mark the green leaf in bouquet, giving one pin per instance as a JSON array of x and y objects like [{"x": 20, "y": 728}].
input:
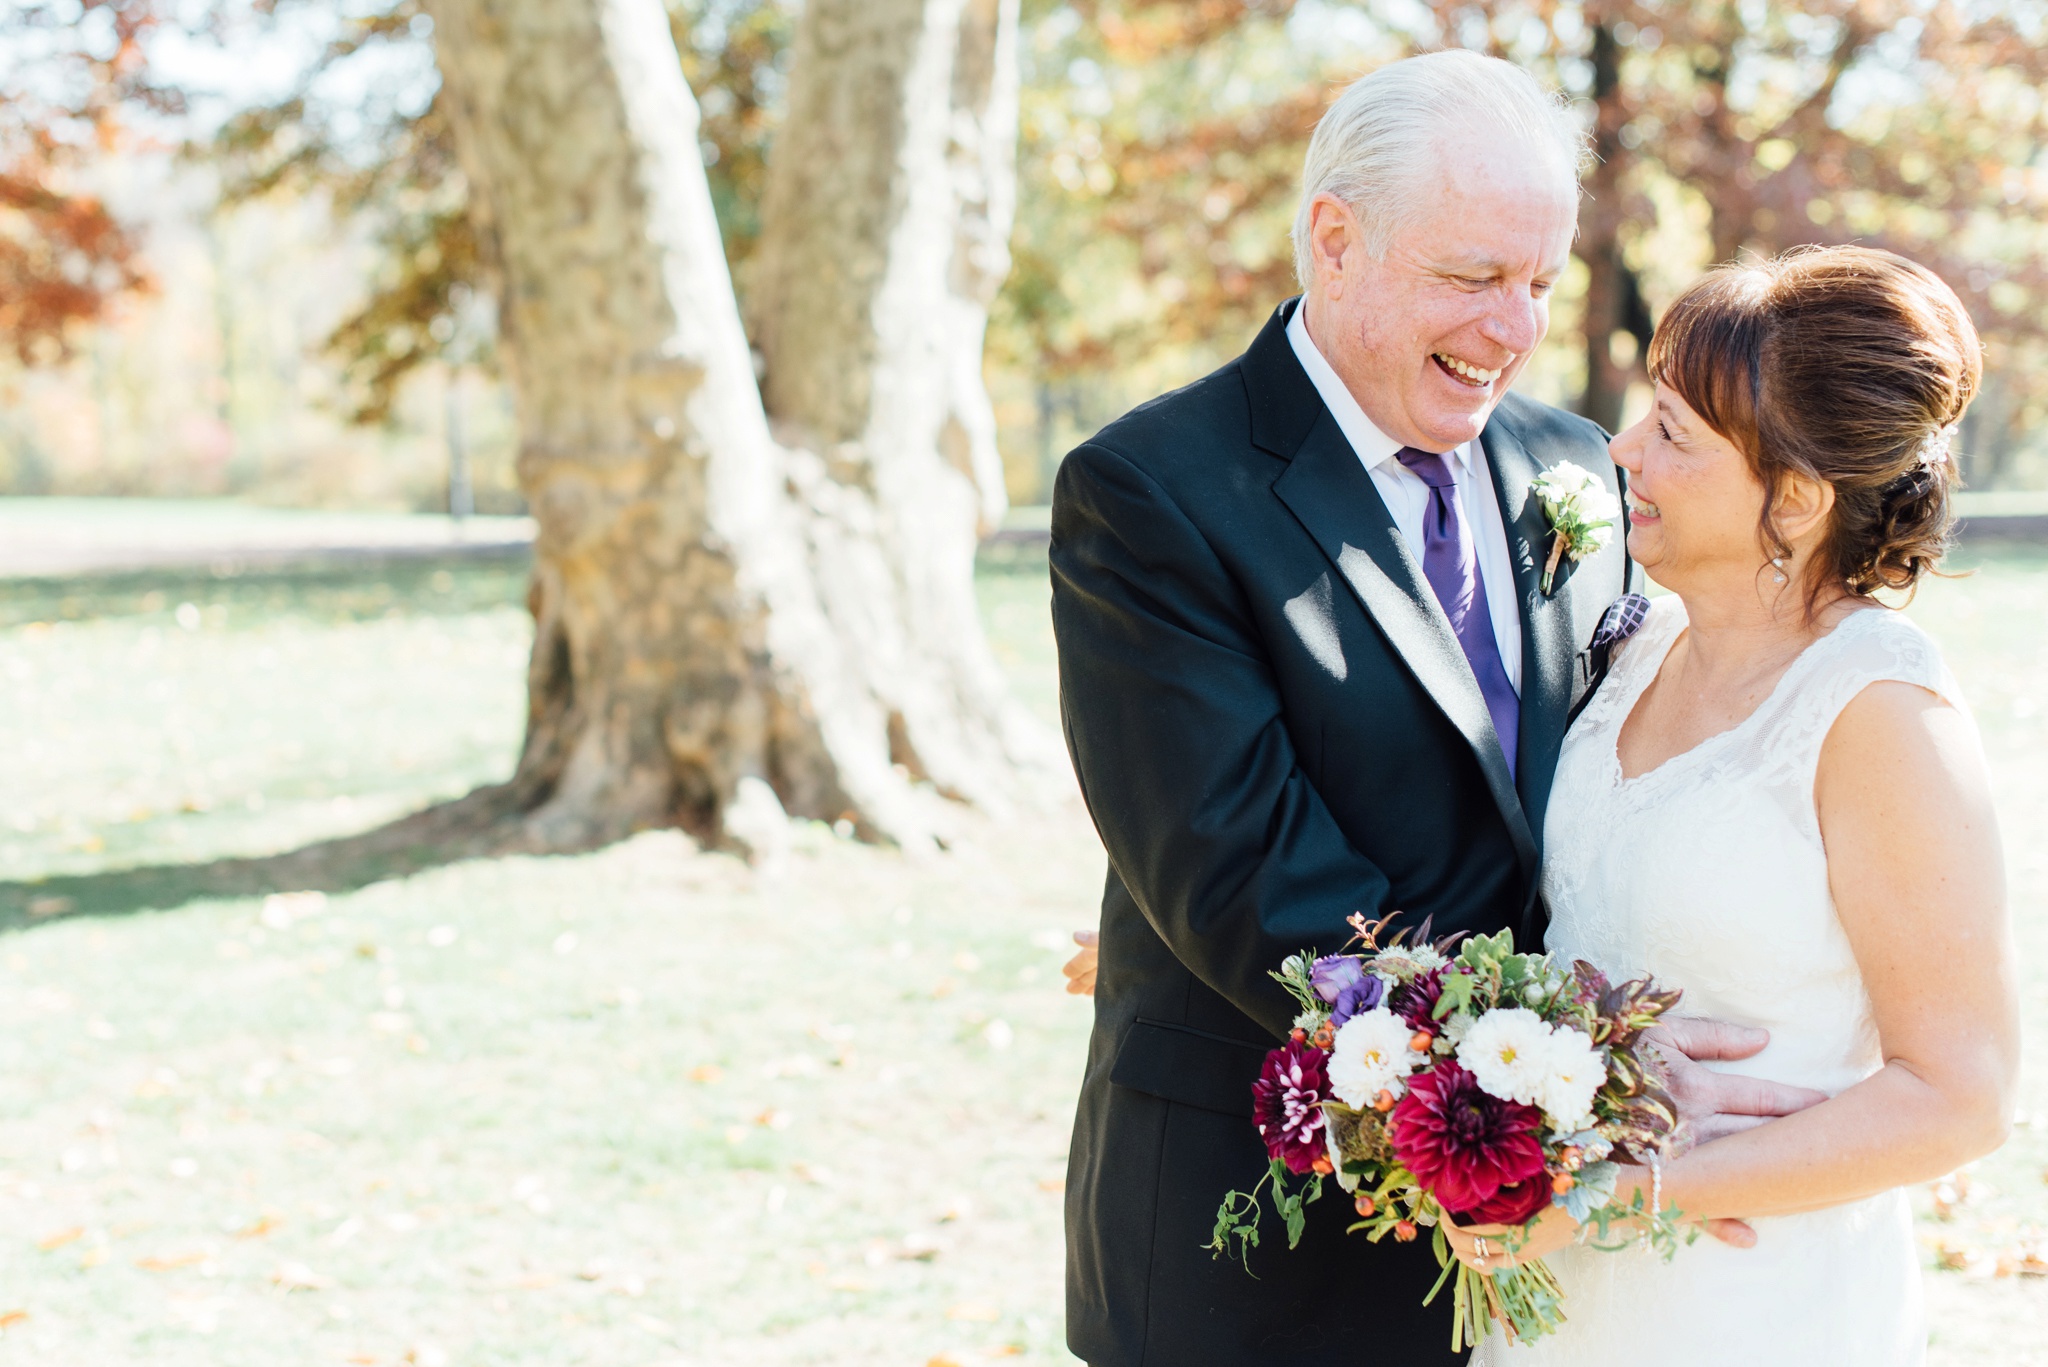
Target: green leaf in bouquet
[
  {"x": 1456, "y": 995},
  {"x": 1297, "y": 976},
  {"x": 1593, "y": 1189},
  {"x": 1294, "y": 1206}
]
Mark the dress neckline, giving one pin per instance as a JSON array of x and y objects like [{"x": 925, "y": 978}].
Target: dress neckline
[{"x": 1652, "y": 670}]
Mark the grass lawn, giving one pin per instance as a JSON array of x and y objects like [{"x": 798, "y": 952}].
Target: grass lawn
[{"x": 647, "y": 1106}]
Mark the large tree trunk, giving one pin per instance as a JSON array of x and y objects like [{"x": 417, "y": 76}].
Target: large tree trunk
[
  {"x": 885, "y": 230},
  {"x": 690, "y": 646}
]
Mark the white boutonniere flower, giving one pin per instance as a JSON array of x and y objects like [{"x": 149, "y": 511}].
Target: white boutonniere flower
[{"x": 1582, "y": 514}]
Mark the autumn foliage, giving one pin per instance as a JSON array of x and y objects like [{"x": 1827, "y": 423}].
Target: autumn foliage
[{"x": 64, "y": 257}]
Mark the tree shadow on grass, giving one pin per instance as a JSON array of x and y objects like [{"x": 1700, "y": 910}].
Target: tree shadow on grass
[{"x": 482, "y": 824}]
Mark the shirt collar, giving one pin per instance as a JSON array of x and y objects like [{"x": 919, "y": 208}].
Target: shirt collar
[{"x": 1373, "y": 446}]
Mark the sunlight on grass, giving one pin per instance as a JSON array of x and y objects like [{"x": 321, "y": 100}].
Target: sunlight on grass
[{"x": 641, "y": 1107}]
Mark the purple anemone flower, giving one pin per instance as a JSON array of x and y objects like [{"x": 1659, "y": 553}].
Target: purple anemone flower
[{"x": 1341, "y": 980}]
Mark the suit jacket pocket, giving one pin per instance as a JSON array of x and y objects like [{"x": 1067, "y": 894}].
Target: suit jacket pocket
[{"x": 1193, "y": 1067}]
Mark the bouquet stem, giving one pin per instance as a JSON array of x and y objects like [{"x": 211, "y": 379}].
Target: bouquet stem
[{"x": 1523, "y": 1298}]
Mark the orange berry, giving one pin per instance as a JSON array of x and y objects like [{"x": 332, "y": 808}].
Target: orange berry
[
  {"x": 1384, "y": 1101},
  {"x": 1365, "y": 1205},
  {"x": 1323, "y": 1165},
  {"x": 1420, "y": 1041},
  {"x": 1404, "y": 1230},
  {"x": 1325, "y": 1036},
  {"x": 1563, "y": 1183},
  {"x": 1297, "y": 1034}
]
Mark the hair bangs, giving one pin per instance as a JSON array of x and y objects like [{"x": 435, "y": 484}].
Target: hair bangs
[{"x": 1709, "y": 347}]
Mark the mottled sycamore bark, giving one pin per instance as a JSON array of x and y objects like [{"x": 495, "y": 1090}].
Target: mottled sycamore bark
[
  {"x": 705, "y": 603},
  {"x": 885, "y": 230}
]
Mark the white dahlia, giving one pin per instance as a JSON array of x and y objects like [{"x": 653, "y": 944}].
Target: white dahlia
[
  {"x": 1577, "y": 1068},
  {"x": 1508, "y": 1053},
  {"x": 1369, "y": 1055}
]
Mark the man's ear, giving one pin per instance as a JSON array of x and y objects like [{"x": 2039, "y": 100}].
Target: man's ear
[{"x": 1334, "y": 243}]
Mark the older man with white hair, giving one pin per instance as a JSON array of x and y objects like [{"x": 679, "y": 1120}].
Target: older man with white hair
[{"x": 1309, "y": 668}]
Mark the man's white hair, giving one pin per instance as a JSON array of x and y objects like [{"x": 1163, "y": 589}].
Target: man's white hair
[{"x": 1384, "y": 137}]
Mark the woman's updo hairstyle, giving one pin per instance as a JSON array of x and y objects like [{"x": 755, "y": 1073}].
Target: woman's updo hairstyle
[{"x": 1844, "y": 364}]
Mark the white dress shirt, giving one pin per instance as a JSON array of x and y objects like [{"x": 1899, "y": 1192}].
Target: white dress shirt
[{"x": 1407, "y": 496}]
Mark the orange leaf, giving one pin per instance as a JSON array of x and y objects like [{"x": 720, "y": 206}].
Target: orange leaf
[{"x": 61, "y": 1238}]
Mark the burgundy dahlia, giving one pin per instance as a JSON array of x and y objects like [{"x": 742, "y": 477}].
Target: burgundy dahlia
[
  {"x": 1288, "y": 1100},
  {"x": 1415, "y": 1001},
  {"x": 1514, "y": 1204},
  {"x": 1478, "y": 1155}
]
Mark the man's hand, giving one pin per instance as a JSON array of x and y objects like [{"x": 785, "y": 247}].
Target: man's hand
[
  {"x": 1080, "y": 969},
  {"x": 1715, "y": 1105}
]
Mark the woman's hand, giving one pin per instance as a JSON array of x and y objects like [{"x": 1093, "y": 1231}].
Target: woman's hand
[
  {"x": 1488, "y": 1248},
  {"x": 1080, "y": 969}
]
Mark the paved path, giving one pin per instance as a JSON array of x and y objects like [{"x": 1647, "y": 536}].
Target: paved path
[{"x": 61, "y": 537}]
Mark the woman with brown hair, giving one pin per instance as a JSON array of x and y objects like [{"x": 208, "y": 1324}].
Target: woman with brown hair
[{"x": 1777, "y": 801}]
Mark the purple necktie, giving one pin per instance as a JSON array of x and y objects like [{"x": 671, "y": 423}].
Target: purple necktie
[{"x": 1451, "y": 564}]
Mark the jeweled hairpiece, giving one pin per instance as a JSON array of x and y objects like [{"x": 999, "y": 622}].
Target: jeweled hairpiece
[{"x": 1934, "y": 448}]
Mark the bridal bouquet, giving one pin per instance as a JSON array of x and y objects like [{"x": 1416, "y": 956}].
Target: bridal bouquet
[{"x": 1435, "y": 1081}]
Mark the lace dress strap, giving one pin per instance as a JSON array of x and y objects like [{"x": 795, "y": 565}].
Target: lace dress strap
[{"x": 1872, "y": 645}]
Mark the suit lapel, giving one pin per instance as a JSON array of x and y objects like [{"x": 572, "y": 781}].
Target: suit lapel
[
  {"x": 1330, "y": 493},
  {"x": 1547, "y": 643}
]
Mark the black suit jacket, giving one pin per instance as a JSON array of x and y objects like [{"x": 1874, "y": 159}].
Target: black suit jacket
[{"x": 1274, "y": 727}]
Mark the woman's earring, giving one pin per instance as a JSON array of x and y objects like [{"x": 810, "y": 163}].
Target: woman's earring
[{"x": 1778, "y": 566}]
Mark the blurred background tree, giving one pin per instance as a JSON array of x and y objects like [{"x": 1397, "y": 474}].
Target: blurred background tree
[
  {"x": 1160, "y": 144},
  {"x": 68, "y": 74}
]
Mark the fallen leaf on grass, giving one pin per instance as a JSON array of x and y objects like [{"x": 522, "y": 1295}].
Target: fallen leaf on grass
[
  {"x": 1950, "y": 1192},
  {"x": 707, "y": 1073},
  {"x": 1053, "y": 1184},
  {"x": 93, "y": 1257},
  {"x": 170, "y": 1262},
  {"x": 979, "y": 1314},
  {"x": 773, "y": 1119},
  {"x": 942, "y": 1360},
  {"x": 61, "y": 1238},
  {"x": 918, "y": 1248},
  {"x": 260, "y": 1226},
  {"x": 364, "y": 1360},
  {"x": 11, "y": 1318},
  {"x": 299, "y": 1277}
]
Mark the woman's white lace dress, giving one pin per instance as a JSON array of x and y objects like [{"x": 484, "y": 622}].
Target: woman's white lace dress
[{"x": 1708, "y": 871}]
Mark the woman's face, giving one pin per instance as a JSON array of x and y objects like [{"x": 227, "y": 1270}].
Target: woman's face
[{"x": 1694, "y": 502}]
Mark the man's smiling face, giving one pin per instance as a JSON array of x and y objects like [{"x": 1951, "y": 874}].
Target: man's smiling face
[{"x": 1428, "y": 337}]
